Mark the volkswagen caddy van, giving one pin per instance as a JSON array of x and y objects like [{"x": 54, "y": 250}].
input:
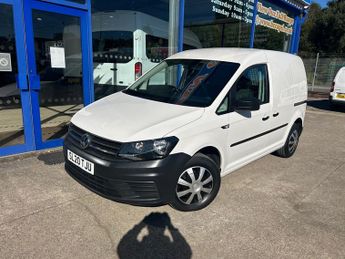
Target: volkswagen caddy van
[
  {"x": 169, "y": 141},
  {"x": 337, "y": 93}
]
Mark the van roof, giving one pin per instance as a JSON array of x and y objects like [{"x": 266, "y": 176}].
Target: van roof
[{"x": 235, "y": 55}]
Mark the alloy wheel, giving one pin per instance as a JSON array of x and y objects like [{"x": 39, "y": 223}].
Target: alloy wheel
[
  {"x": 194, "y": 185},
  {"x": 293, "y": 141}
]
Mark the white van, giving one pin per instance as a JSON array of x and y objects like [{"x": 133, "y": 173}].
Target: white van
[
  {"x": 170, "y": 143},
  {"x": 337, "y": 93},
  {"x": 126, "y": 43}
]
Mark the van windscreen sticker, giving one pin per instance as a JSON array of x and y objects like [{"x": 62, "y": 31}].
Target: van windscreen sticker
[{"x": 203, "y": 74}]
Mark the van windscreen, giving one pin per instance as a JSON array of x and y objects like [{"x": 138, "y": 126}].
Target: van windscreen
[
  {"x": 184, "y": 82},
  {"x": 112, "y": 46}
]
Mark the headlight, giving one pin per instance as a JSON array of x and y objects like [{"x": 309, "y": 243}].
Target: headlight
[{"x": 149, "y": 149}]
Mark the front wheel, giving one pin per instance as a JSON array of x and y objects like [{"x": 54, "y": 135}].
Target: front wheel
[
  {"x": 291, "y": 142},
  {"x": 197, "y": 185}
]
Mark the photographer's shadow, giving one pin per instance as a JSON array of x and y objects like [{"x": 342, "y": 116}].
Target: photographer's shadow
[{"x": 154, "y": 237}]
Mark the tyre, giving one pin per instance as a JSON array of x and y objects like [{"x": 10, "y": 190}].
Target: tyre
[
  {"x": 291, "y": 142},
  {"x": 197, "y": 185}
]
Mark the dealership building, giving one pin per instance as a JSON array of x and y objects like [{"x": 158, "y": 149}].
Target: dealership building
[{"x": 57, "y": 56}]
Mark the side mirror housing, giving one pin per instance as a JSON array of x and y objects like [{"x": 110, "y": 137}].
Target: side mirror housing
[{"x": 247, "y": 104}]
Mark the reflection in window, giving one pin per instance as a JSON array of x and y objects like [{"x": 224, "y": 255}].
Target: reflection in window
[
  {"x": 112, "y": 46},
  {"x": 11, "y": 121},
  {"x": 129, "y": 38},
  {"x": 220, "y": 24},
  {"x": 156, "y": 48},
  {"x": 58, "y": 53}
]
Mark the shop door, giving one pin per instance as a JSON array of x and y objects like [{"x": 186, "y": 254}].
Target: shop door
[
  {"x": 58, "y": 68},
  {"x": 16, "y": 130}
]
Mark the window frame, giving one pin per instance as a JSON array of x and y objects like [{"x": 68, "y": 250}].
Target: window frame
[{"x": 231, "y": 90}]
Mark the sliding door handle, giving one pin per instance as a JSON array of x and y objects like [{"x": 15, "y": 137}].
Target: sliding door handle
[
  {"x": 226, "y": 126},
  {"x": 276, "y": 114},
  {"x": 265, "y": 118}
]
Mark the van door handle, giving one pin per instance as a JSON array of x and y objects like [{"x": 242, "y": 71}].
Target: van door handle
[
  {"x": 276, "y": 114},
  {"x": 265, "y": 118},
  {"x": 226, "y": 126}
]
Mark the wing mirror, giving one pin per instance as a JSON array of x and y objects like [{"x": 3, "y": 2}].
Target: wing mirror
[{"x": 247, "y": 104}]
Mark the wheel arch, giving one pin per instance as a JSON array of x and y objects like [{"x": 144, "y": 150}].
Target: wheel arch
[
  {"x": 297, "y": 118},
  {"x": 212, "y": 152}
]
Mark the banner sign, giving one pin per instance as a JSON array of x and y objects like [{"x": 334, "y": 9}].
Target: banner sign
[{"x": 275, "y": 19}]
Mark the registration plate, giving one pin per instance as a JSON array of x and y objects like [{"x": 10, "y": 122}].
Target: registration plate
[
  {"x": 82, "y": 163},
  {"x": 342, "y": 96}
]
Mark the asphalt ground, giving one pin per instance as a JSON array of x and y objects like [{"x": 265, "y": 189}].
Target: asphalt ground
[{"x": 272, "y": 208}]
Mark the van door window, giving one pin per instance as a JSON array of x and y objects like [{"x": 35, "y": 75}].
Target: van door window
[{"x": 253, "y": 83}]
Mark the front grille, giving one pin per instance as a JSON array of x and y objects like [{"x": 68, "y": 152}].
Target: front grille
[
  {"x": 116, "y": 189},
  {"x": 98, "y": 146}
]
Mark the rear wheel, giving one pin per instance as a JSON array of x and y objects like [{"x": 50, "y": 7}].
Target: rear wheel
[
  {"x": 197, "y": 185},
  {"x": 291, "y": 142}
]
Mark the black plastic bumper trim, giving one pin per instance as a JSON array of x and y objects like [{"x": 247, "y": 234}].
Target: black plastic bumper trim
[{"x": 143, "y": 183}]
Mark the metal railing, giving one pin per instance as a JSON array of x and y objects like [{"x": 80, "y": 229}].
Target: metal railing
[{"x": 321, "y": 69}]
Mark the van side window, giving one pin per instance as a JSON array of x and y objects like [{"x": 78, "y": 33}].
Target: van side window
[
  {"x": 253, "y": 83},
  {"x": 156, "y": 48},
  {"x": 224, "y": 106},
  {"x": 112, "y": 46}
]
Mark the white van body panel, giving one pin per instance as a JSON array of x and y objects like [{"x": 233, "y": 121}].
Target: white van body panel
[
  {"x": 125, "y": 118},
  {"x": 137, "y": 119},
  {"x": 339, "y": 86},
  {"x": 288, "y": 86},
  {"x": 289, "y": 83},
  {"x": 140, "y": 24}
]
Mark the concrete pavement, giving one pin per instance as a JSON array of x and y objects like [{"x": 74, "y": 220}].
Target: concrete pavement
[{"x": 274, "y": 207}]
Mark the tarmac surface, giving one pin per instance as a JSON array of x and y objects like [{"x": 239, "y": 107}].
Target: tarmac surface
[{"x": 272, "y": 208}]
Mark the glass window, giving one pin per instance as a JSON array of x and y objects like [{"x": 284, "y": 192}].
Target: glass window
[
  {"x": 253, "y": 83},
  {"x": 224, "y": 106},
  {"x": 129, "y": 38},
  {"x": 217, "y": 23},
  {"x": 11, "y": 119},
  {"x": 185, "y": 82},
  {"x": 274, "y": 27},
  {"x": 61, "y": 93}
]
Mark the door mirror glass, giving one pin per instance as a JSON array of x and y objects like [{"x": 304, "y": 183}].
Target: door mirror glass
[{"x": 247, "y": 104}]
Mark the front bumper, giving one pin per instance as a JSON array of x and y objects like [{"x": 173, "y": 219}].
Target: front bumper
[{"x": 144, "y": 183}]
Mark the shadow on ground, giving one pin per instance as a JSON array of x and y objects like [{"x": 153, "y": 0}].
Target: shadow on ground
[
  {"x": 324, "y": 104},
  {"x": 154, "y": 237},
  {"x": 52, "y": 158}
]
